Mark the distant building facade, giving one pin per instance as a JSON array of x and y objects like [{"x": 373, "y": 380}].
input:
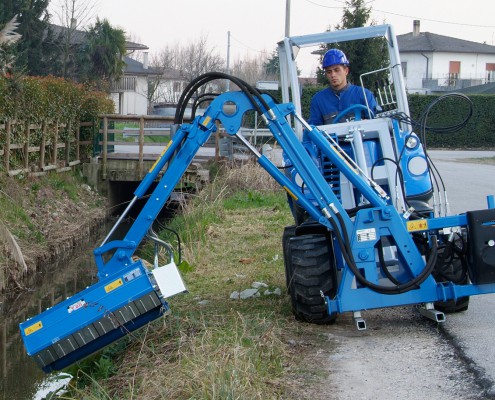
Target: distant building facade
[{"x": 434, "y": 63}]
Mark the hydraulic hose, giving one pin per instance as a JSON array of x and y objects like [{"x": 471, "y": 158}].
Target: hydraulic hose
[
  {"x": 188, "y": 92},
  {"x": 344, "y": 244}
]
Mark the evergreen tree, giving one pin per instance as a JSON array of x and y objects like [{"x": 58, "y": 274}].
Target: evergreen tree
[
  {"x": 272, "y": 65},
  {"x": 32, "y": 50},
  {"x": 104, "y": 52},
  {"x": 364, "y": 55}
]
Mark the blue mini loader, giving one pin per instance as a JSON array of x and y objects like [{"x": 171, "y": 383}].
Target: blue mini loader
[{"x": 366, "y": 233}]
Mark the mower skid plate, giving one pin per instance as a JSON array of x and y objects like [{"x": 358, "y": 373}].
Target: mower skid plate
[{"x": 93, "y": 318}]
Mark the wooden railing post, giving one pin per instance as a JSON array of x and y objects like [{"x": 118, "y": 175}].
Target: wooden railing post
[
  {"x": 67, "y": 144},
  {"x": 78, "y": 137},
  {"x": 43, "y": 145},
  {"x": 55, "y": 143},
  {"x": 26, "y": 147},
  {"x": 6, "y": 151},
  {"x": 105, "y": 145},
  {"x": 141, "y": 146}
]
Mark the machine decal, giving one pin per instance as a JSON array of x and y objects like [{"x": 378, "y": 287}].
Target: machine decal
[
  {"x": 114, "y": 285},
  {"x": 76, "y": 306},
  {"x": 33, "y": 328},
  {"x": 417, "y": 225},
  {"x": 161, "y": 155},
  {"x": 132, "y": 275},
  {"x": 365, "y": 235}
]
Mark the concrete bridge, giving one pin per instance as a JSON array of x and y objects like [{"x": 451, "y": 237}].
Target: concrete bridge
[{"x": 128, "y": 146}]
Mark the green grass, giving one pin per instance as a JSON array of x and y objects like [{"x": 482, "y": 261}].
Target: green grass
[{"x": 211, "y": 346}]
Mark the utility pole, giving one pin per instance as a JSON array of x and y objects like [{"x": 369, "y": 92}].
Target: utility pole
[
  {"x": 228, "y": 59},
  {"x": 287, "y": 18}
]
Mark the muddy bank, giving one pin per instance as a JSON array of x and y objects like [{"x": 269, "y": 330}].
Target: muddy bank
[{"x": 44, "y": 219}]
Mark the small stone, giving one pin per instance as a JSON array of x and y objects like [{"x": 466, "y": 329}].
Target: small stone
[
  {"x": 234, "y": 295},
  {"x": 247, "y": 293},
  {"x": 257, "y": 285}
]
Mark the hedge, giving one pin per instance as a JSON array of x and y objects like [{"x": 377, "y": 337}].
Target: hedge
[
  {"x": 50, "y": 99},
  {"x": 479, "y": 132}
]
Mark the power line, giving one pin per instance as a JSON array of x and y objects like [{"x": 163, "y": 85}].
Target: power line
[
  {"x": 245, "y": 45},
  {"x": 402, "y": 15},
  {"x": 436, "y": 20},
  {"x": 323, "y": 5}
]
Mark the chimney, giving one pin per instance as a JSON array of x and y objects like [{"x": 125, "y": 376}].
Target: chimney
[
  {"x": 416, "y": 27},
  {"x": 73, "y": 23},
  {"x": 145, "y": 60}
]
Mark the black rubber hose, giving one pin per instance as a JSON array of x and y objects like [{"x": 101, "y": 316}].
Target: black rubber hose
[
  {"x": 402, "y": 288},
  {"x": 205, "y": 78},
  {"x": 383, "y": 265}
]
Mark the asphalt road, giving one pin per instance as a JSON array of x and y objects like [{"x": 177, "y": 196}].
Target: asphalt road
[
  {"x": 468, "y": 185},
  {"x": 403, "y": 355}
]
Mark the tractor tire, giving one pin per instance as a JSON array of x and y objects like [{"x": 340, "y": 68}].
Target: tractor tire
[
  {"x": 310, "y": 270},
  {"x": 289, "y": 233}
]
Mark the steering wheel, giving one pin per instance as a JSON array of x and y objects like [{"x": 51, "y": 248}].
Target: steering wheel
[{"x": 356, "y": 109}]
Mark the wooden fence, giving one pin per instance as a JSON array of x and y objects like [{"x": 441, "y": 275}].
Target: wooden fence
[
  {"x": 19, "y": 138},
  {"x": 35, "y": 149}
]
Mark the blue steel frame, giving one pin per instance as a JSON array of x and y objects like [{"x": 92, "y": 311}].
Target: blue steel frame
[
  {"x": 383, "y": 218},
  {"x": 53, "y": 330}
]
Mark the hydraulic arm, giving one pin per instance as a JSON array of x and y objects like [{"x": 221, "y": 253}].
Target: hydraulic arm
[{"x": 129, "y": 295}]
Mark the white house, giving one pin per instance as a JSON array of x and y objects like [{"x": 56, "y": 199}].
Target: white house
[
  {"x": 130, "y": 93},
  {"x": 435, "y": 63}
]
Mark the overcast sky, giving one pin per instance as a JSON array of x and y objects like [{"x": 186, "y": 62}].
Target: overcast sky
[{"x": 257, "y": 25}]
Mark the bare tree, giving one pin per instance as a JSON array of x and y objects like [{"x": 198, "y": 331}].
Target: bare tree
[
  {"x": 179, "y": 65},
  {"x": 252, "y": 69},
  {"x": 73, "y": 15}
]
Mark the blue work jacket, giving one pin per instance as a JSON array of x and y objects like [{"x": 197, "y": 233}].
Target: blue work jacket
[{"x": 327, "y": 104}]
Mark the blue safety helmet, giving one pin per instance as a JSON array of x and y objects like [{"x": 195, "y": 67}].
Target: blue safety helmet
[{"x": 334, "y": 57}]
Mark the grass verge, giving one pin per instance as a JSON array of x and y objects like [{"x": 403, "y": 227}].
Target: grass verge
[{"x": 212, "y": 346}]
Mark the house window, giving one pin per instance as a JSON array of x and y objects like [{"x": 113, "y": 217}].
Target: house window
[
  {"x": 404, "y": 68},
  {"x": 177, "y": 87},
  {"x": 490, "y": 72},
  {"x": 454, "y": 71}
]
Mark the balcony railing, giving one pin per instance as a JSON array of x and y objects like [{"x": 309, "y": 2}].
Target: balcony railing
[
  {"x": 124, "y": 84},
  {"x": 453, "y": 82}
]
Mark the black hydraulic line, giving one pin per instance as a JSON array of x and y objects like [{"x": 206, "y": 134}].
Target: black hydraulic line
[
  {"x": 179, "y": 247},
  {"x": 401, "y": 181},
  {"x": 414, "y": 283},
  {"x": 248, "y": 90},
  {"x": 383, "y": 265},
  {"x": 422, "y": 120},
  {"x": 202, "y": 98}
]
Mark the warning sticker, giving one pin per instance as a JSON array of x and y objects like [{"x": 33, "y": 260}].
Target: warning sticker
[
  {"x": 76, "y": 306},
  {"x": 365, "y": 235},
  {"x": 417, "y": 225},
  {"x": 33, "y": 328},
  {"x": 114, "y": 285}
]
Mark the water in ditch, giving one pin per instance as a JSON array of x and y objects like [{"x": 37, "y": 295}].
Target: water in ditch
[{"x": 20, "y": 377}]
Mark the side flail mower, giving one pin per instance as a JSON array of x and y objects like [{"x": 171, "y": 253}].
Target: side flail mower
[
  {"x": 118, "y": 304},
  {"x": 339, "y": 258}
]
